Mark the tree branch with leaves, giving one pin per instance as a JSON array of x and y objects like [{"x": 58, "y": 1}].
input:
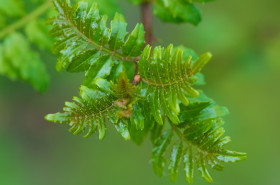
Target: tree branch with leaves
[{"x": 130, "y": 84}]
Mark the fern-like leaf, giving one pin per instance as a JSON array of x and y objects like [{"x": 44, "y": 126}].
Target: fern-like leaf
[
  {"x": 168, "y": 77},
  {"x": 92, "y": 110},
  {"x": 201, "y": 142},
  {"x": 100, "y": 103},
  {"x": 85, "y": 43}
]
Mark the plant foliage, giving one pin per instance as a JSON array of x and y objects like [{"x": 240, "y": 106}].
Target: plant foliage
[
  {"x": 161, "y": 101},
  {"x": 18, "y": 59},
  {"x": 85, "y": 43},
  {"x": 176, "y": 11},
  {"x": 98, "y": 105}
]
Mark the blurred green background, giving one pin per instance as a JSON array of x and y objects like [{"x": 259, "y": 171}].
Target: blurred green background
[{"x": 244, "y": 75}]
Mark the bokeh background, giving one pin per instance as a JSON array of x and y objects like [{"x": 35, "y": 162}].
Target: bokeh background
[{"x": 244, "y": 75}]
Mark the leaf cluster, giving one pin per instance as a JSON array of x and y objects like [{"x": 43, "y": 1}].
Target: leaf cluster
[{"x": 161, "y": 101}]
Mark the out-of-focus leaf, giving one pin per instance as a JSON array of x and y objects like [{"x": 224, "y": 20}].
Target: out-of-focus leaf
[
  {"x": 19, "y": 62},
  {"x": 177, "y": 11},
  {"x": 37, "y": 32},
  {"x": 12, "y": 8}
]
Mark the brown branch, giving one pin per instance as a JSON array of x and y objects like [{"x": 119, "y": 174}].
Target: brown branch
[{"x": 147, "y": 22}]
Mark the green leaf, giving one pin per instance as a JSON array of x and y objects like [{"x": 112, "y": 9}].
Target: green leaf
[
  {"x": 107, "y": 7},
  {"x": 156, "y": 132},
  {"x": 135, "y": 41},
  {"x": 201, "y": 166},
  {"x": 159, "y": 150},
  {"x": 19, "y": 62},
  {"x": 118, "y": 27},
  {"x": 200, "y": 111},
  {"x": 37, "y": 32},
  {"x": 189, "y": 165},
  {"x": 116, "y": 71},
  {"x": 83, "y": 61},
  {"x": 12, "y": 8},
  {"x": 99, "y": 68},
  {"x": 228, "y": 156},
  {"x": 90, "y": 111},
  {"x": 138, "y": 135},
  {"x": 137, "y": 2},
  {"x": 168, "y": 77},
  {"x": 177, "y": 11},
  {"x": 79, "y": 29},
  {"x": 175, "y": 160},
  {"x": 201, "y": 62},
  {"x": 137, "y": 117},
  {"x": 122, "y": 128}
]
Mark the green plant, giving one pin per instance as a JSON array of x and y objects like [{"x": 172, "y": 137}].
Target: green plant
[{"x": 138, "y": 88}]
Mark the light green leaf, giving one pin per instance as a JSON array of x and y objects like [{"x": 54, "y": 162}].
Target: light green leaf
[
  {"x": 169, "y": 79},
  {"x": 19, "y": 62},
  {"x": 189, "y": 164},
  {"x": 175, "y": 160},
  {"x": 122, "y": 128},
  {"x": 12, "y": 8},
  {"x": 159, "y": 150},
  {"x": 201, "y": 62},
  {"x": 37, "y": 32},
  {"x": 90, "y": 111},
  {"x": 135, "y": 41},
  {"x": 177, "y": 11},
  {"x": 201, "y": 166},
  {"x": 118, "y": 27}
]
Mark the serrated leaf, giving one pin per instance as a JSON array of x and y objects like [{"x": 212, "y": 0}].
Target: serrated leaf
[
  {"x": 175, "y": 160},
  {"x": 201, "y": 166},
  {"x": 80, "y": 28},
  {"x": 159, "y": 150},
  {"x": 189, "y": 165},
  {"x": 118, "y": 27},
  {"x": 90, "y": 111},
  {"x": 168, "y": 77},
  {"x": 135, "y": 41},
  {"x": 101, "y": 67},
  {"x": 116, "y": 71},
  {"x": 82, "y": 62}
]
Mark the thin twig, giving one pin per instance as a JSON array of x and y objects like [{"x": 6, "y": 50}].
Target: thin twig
[{"x": 147, "y": 22}]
